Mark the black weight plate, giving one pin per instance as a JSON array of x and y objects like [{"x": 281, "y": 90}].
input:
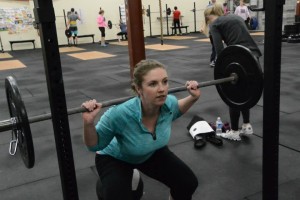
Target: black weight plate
[
  {"x": 68, "y": 33},
  {"x": 109, "y": 23},
  {"x": 247, "y": 90},
  {"x": 22, "y": 129},
  {"x": 169, "y": 11}
]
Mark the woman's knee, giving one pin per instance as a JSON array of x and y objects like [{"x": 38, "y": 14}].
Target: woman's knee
[
  {"x": 185, "y": 188},
  {"x": 192, "y": 184},
  {"x": 114, "y": 187},
  {"x": 115, "y": 178},
  {"x": 113, "y": 192}
]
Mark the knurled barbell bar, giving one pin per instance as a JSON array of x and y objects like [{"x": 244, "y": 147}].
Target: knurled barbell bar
[{"x": 238, "y": 78}]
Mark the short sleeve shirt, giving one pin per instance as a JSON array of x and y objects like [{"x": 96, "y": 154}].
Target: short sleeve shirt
[
  {"x": 123, "y": 136},
  {"x": 176, "y": 14},
  {"x": 72, "y": 18}
]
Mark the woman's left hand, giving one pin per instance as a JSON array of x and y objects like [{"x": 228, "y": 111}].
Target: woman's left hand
[{"x": 192, "y": 87}]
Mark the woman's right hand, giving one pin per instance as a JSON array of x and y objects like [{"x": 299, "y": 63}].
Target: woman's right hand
[{"x": 93, "y": 108}]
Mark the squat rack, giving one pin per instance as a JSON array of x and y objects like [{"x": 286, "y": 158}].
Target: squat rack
[{"x": 45, "y": 17}]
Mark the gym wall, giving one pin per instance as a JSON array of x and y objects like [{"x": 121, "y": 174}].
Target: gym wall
[{"x": 88, "y": 11}]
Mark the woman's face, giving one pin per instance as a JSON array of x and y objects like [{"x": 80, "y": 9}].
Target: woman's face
[{"x": 154, "y": 87}]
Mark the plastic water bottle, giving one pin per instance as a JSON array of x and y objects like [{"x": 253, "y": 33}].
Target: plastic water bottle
[{"x": 219, "y": 125}]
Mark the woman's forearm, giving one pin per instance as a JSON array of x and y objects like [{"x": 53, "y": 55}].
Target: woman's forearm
[
  {"x": 90, "y": 135},
  {"x": 186, "y": 103}
]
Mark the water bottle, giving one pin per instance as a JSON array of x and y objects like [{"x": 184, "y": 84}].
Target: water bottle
[{"x": 219, "y": 125}]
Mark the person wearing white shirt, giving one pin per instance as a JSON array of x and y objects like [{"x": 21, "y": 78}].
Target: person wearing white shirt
[{"x": 243, "y": 11}]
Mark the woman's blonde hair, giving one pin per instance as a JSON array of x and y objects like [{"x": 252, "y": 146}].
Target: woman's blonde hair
[
  {"x": 141, "y": 69},
  {"x": 216, "y": 10}
]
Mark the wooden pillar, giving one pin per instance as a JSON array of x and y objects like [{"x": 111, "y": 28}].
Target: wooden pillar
[
  {"x": 298, "y": 8},
  {"x": 135, "y": 32}
]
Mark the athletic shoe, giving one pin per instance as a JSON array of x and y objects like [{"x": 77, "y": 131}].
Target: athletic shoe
[
  {"x": 231, "y": 135},
  {"x": 103, "y": 45},
  {"x": 246, "y": 129},
  {"x": 212, "y": 63}
]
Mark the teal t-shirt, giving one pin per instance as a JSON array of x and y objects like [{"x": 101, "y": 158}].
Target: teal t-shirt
[{"x": 123, "y": 136}]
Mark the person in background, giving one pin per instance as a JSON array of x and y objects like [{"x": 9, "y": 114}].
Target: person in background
[
  {"x": 101, "y": 21},
  {"x": 243, "y": 11},
  {"x": 225, "y": 9},
  {"x": 136, "y": 133},
  {"x": 123, "y": 31},
  {"x": 233, "y": 31},
  {"x": 213, "y": 51},
  {"x": 176, "y": 20},
  {"x": 72, "y": 26}
]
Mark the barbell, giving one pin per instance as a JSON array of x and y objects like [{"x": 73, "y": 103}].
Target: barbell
[
  {"x": 238, "y": 79},
  {"x": 110, "y": 24},
  {"x": 148, "y": 12},
  {"x": 195, "y": 10}
]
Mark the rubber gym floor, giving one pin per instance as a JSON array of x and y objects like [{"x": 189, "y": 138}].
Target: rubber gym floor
[{"x": 230, "y": 172}]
